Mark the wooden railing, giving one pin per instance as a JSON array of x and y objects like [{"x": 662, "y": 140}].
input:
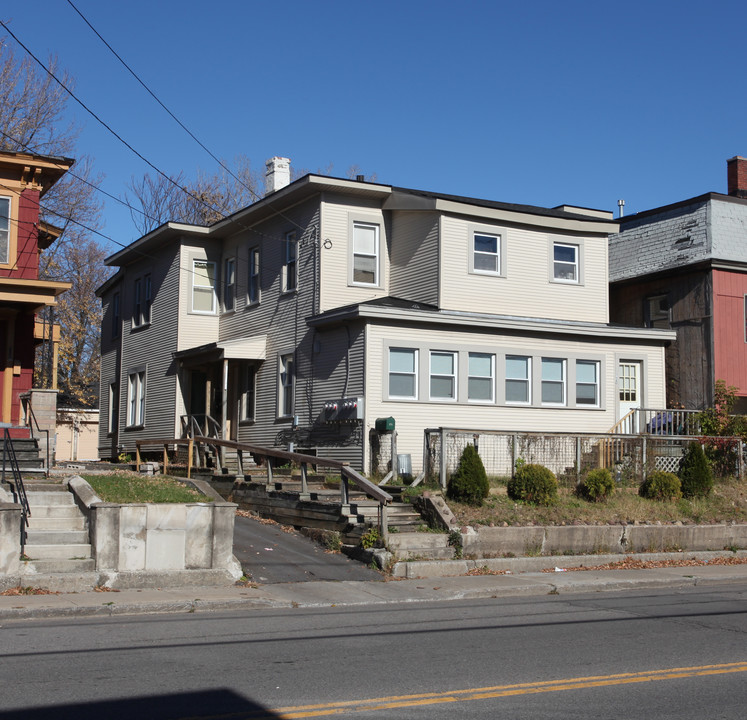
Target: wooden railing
[
  {"x": 11, "y": 463},
  {"x": 270, "y": 456}
]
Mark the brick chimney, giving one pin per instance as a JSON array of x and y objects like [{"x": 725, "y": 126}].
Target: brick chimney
[
  {"x": 277, "y": 175},
  {"x": 736, "y": 173}
]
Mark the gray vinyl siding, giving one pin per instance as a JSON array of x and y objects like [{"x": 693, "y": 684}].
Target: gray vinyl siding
[
  {"x": 151, "y": 348},
  {"x": 414, "y": 253}
]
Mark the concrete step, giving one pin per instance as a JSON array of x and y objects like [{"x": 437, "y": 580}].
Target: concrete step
[
  {"x": 55, "y": 511},
  {"x": 433, "y": 546},
  {"x": 36, "y": 537},
  {"x": 36, "y": 485},
  {"x": 77, "y": 522},
  {"x": 61, "y": 575},
  {"x": 50, "y": 497},
  {"x": 58, "y": 552}
]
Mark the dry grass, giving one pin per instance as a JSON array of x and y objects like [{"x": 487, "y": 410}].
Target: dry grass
[
  {"x": 727, "y": 503},
  {"x": 131, "y": 487}
]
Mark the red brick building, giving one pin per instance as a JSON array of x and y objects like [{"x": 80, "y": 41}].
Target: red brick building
[{"x": 24, "y": 179}]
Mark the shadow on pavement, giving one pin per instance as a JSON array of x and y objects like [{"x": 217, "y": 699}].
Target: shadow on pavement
[
  {"x": 195, "y": 705},
  {"x": 269, "y": 554}
]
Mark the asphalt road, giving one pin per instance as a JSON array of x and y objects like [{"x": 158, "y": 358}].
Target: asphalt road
[
  {"x": 626, "y": 655},
  {"x": 268, "y": 554}
]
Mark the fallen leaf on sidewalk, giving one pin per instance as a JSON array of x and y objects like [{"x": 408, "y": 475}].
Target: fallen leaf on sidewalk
[{"x": 28, "y": 591}]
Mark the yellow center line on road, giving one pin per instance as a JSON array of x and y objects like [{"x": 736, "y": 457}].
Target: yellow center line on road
[{"x": 485, "y": 693}]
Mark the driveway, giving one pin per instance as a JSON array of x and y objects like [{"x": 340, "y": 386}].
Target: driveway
[{"x": 268, "y": 554}]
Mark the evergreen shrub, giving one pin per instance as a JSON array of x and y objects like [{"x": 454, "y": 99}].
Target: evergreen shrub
[
  {"x": 469, "y": 484},
  {"x": 533, "y": 484},
  {"x": 695, "y": 472},
  {"x": 597, "y": 485},
  {"x": 660, "y": 485}
]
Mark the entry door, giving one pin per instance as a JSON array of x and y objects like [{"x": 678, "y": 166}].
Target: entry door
[{"x": 629, "y": 393}]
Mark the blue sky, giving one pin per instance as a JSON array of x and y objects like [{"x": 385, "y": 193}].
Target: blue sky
[{"x": 538, "y": 102}]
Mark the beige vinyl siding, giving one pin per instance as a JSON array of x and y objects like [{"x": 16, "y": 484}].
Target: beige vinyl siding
[
  {"x": 414, "y": 270},
  {"x": 412, "y": 417},
  {"x": 196, "y": 329},
  {"x": 337, "y": 214},
  {"x": 151, "y": 348},
  {"x": 525, "y": 290}
]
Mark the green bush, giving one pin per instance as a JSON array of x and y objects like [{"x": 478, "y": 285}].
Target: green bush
[
  {"x": 597, "y": 485},
  {"x": 533, "y": 484},
  {"x": 695, "y": 472},
  {"x": 660, "y": 485},
  {"x": 469, "y": 484}
]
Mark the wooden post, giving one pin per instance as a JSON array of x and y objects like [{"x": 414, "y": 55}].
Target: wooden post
[
  {"x": 137, "y": 457},
  {"x": 344, "y": 491},
  {"x": 578, "y": 459},
  {"x": 443, "y": 459},
  {"x": 268, "y": 460},
  {"x": 384, "y": 522},
  {"x": 165, "y": 458},
  {"x": 190, "y": 450},
  {"x": 304, "y": 485},
  {"x": 395, "y": 463},
  {"x": 240, "y": 460}
]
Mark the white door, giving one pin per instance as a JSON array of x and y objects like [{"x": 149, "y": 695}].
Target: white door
[{"x": 629, "y": 394}]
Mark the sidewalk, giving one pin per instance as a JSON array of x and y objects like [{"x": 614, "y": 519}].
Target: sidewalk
[{"x": 352, "y": 593}]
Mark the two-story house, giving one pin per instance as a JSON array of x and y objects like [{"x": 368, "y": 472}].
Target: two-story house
[
  {"x": 684, "y": 266},
  {"x": 330, "y": 303},
  {"x": 24, "y": 178}
]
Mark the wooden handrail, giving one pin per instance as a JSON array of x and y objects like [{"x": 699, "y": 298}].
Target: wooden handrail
[{"x": 365, "y": 485}]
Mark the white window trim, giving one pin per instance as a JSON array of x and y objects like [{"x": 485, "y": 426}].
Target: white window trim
[
  {"x": 563, "y": 382},
  {"x": 482, "y": 401},
  {"x": 229, "y": 284},
  {"x": 577, "y": 244},
  {"x": 6, "y": 235},
  {"x": 291, "y": 240},
  {"x": 284, "y": 386},
  {"x": 113, "y": 412},
  {"x": 212, "y": 311},
  {"x": 454, "y": 376},
  {"x": 376, "y": 254},
  {"x": 136, "y": 388},
  {"x": 364, "y": 219},
  {"x": 414, "y": 374},
  {"x": 597, "y": 384},
  {"x": 501, "y": 235},
  {"x": 527, "y": 380},
  {"x": 253, "y": 276}
]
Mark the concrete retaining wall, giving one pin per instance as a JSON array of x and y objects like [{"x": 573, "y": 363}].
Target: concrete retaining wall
[
  {"x": 10, "y": 538},
  {"x": 159, "y": 537}
]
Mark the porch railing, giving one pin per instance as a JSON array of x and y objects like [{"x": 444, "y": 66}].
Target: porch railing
[
  {"x": 271, "y": 456},
  {"x": 10, "y": 466},
  {"x": 654, "y": 421},
  {"x": 36, "y": 431}
]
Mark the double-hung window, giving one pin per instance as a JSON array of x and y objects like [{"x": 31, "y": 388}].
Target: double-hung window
[
  {"x": 4, "y": 230},
  {"x": 587, "y": 383},
  {"x": 136, "y": 399},
  {"x": 403, "y": 375},
  {"x": 656, "y": 312},
  {"x": 203, "y": 287},
  {"x": 486, "y": 256},
  {"x": 480, "y": 377},
  {"x": 252, "y": 285},
  {"x": 290, "y": 265},
  {"x": 248, "y": 392},
  {"x": 443, "y": 374},
  {"x": 286, "y": 385},
  {"x": 518, "y": 379},
  {"x": 229, "y": 284},
  {"x": 553, "y": 381},
  {"x": 365, "y": 253},
  {"x": 141, "y": 301},
  {"x": 565, "y": 265},
  {"x": 115, "y": 315}
]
